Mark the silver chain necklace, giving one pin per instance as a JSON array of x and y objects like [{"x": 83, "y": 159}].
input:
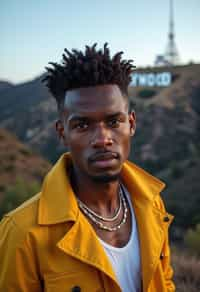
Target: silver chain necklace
[
  {"x": 102, "y": 225},
  {"x": 106, "y": 219}
]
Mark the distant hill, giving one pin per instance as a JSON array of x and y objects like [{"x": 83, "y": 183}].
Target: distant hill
[
  {"x": 22, "y": 98},
  {"x": 29, "y": 111},
  {"x": 4, "y": 85}
]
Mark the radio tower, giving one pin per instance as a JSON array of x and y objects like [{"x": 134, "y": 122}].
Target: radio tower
[{"x": 171, "y": 54}]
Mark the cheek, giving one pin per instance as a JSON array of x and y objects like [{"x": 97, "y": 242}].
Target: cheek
[
  {"x": 75, "y": 143},
  {"x": 126, "y": 142},
  {"x": 125, "y": 135}
]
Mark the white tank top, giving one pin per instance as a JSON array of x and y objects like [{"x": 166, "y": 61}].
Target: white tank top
[{"x": 126, "y": 260}]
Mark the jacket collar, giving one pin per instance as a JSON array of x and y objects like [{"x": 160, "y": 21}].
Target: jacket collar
[
  {"x": 57, "y": 193},
  {"x": 141, "y": 184}
]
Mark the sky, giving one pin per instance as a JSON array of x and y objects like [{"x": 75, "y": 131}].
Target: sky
[{"x": 35, "y": 32}]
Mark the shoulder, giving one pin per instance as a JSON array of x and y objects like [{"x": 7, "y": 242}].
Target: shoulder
[{"x": 22, "y": 219}]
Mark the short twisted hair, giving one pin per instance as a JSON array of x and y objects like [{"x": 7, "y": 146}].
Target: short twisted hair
[{"x": 90, "y": 68}]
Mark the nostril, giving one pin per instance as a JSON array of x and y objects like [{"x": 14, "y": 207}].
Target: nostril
[
  {"x": 102, "y": 142},
  {"x": 110, "y": 141}
]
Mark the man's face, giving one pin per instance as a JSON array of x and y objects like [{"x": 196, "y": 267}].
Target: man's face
[{"x": 96, "y": 127}]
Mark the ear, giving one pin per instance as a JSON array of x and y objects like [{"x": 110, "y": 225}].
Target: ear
[
  {"x": 60, "y": 129},
  {"x": 132, "y": 122}
]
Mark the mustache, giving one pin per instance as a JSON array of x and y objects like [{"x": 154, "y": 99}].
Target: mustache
[{"x": 103, "y": 155}]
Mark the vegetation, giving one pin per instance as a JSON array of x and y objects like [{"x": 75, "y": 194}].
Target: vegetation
[
  {"x": 186, "y": 271},
  {"x": 147, "y": 93},
  {"x": 192, "y": 239},
  {"x": 25, "y": 151},
  {"x": 16, "y": 194}
]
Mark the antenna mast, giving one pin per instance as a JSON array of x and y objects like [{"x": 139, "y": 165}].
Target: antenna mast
[{"x": 171, "y": 54}]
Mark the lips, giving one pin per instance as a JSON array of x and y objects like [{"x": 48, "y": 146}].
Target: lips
[
  {"x": 104, "y": 160},
  {"x": 103, "y": 156}
]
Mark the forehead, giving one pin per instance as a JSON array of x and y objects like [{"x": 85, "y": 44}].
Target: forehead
[{"x": 96, "y": 99}]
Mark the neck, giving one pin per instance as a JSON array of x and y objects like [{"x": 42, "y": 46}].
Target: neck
[{"x": 101, "y": 197}]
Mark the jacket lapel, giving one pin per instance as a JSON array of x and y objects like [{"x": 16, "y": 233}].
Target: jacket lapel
[
  {"x": 82, "y": 243},
  {"x": 152, "y": 226}
]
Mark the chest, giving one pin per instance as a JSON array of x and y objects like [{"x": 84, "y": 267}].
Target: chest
[
  {"x": 125, "y": 262},
  {"x": 118, "y": 238}
]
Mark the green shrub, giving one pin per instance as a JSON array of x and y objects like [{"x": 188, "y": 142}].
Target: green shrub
[
  {"x": 2, "y": 188},
  {"x": 192, "y": 239},
  {"x": 12, "y": 157},
  {"x": 25, "y": 151},
  {"x": 176, "y": 171},
  {"x": 146, "y": 93},
  {"x": 9, "y": 168},
  {"x": 16, "y": 194}
]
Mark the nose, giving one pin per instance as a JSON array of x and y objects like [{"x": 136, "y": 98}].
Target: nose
[{"x": 101, "y": 137}]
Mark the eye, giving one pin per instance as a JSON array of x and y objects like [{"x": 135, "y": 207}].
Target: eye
[
  {"x": 114, "y": 123},
  {"x": 81, "y": 125}
]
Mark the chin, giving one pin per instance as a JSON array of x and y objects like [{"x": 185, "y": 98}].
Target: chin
[{"x": 106, "y": 178}]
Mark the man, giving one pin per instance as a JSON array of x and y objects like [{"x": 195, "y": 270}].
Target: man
[{"x": 99, "y": 223}]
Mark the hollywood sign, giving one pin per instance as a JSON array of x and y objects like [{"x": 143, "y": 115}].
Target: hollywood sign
[{"x": 162, "y": 79}]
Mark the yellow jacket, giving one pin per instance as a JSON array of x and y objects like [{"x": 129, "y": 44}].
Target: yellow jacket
[{"x": 48, "y": 245}]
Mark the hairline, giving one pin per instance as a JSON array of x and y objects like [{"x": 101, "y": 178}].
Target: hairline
[{"x": 61, "y": 105}]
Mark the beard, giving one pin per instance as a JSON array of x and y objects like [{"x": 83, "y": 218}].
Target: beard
[{"x": 105, "y": 178}]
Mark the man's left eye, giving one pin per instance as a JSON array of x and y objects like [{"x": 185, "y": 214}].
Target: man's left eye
[{"x": 114, "y": 123}]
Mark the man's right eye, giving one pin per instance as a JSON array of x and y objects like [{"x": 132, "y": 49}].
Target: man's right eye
[{"x": 81, "y": 126}]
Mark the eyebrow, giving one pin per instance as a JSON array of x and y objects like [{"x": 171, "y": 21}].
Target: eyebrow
[
  {"x": 85, "y": 118},
  {"x": 78, "y": 118},
  {"x": 116, "y": 115}
]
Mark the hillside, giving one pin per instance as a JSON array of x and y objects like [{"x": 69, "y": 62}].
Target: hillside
[
  {"x": 18, "y": 161},
  {"x": 168, "y": 123},
  {"x": 167, "y": 141},
  {"x": 182, "y": 195},
  {"x": 28, "y": 111}
]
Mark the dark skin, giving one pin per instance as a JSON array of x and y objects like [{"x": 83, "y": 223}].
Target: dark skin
[{"x": 96, "y": 127}]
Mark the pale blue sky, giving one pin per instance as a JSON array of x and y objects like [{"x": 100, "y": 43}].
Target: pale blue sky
[{"x": 34, "y": 32}]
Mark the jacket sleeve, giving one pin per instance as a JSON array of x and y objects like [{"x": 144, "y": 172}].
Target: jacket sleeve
[
  {"x": 18, "y": 269},
  {"x": 166, "y": 256}
]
